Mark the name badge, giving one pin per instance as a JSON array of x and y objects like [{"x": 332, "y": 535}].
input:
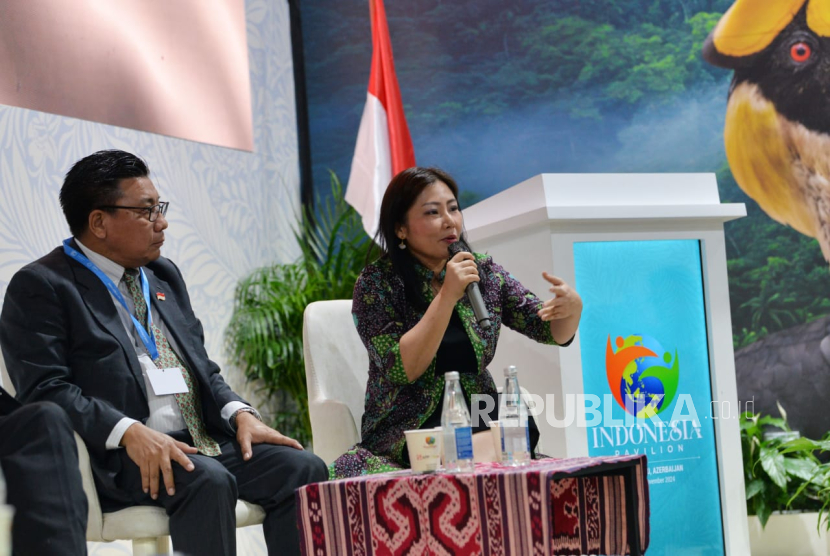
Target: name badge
[{"x": 167, "y": 381}]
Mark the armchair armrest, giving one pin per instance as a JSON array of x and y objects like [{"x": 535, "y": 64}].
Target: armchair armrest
[
  {"x": 333, "y": 429},
  {"x": 95, "y": 522}
]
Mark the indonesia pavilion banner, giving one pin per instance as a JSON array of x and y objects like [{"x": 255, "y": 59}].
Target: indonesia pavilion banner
[{"x": 645, "y": 366}]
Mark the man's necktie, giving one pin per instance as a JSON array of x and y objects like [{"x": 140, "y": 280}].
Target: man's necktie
[{"x": 189, "y": 402}]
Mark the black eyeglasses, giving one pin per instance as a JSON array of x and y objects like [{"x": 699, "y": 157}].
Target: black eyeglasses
[{"x": 153, "y": 212}]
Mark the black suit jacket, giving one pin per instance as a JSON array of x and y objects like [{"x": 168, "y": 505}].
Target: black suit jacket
[
  {"x": 7, "y": 403},
  {"x": 63, "y": 341}
]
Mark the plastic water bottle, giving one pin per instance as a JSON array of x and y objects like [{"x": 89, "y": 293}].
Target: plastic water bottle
[
  {"x": 515, "y": 440},
  {"x": 457, "y": 445}
]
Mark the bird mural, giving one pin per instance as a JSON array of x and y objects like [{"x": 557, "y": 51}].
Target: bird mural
[
  {"x": 777, "y": 139},
  {"x": 777, "y": 130}
]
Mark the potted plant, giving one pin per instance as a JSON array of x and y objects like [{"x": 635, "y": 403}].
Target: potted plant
[
  {"x": 265, "y": 333},
  {"x": 787, "y": 490}
]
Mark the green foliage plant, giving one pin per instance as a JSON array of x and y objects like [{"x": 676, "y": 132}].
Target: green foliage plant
[
  {"x": 265, "y": 334},
  {"x": 778, "y": 277},
  {"x": 782, "y": 471}
]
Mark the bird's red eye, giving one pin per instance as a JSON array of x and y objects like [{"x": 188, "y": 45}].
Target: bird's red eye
[{"x": 801, "y": 52}]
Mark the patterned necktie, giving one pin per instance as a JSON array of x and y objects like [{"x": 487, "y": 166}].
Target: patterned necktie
[{"x": 189, "y": 402}]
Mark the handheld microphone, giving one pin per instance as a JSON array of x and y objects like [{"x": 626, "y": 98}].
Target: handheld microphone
[{"x": 473, "y": 291}]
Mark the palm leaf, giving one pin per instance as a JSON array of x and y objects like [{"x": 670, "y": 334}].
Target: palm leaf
[{"x": 265, "y": 332}]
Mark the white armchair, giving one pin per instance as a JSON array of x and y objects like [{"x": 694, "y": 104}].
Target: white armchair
[
  {"x": 336, "y": 371},
  {"x": 146, "y": 526}
]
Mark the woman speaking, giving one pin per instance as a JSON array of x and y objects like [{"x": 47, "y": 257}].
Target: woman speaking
[{"x": 411, "y": 313}]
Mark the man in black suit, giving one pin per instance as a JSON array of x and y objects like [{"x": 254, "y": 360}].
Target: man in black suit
[
  {"x": 39, "y": 460},
  {"x": 161, "y": 424}
]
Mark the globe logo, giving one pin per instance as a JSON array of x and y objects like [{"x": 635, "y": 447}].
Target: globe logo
[
  {"x": 642, "y": 376},
  {"x": 430, "y": 441}
]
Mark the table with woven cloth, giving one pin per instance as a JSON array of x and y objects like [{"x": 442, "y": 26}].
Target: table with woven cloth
[{"x": 576, "y": 506}]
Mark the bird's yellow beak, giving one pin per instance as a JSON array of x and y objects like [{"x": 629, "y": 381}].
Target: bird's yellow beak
[
  {"x": 750, "y": 26},
  {"x": 818, "y": 17}
]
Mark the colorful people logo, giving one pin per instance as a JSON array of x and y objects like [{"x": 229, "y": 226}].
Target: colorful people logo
[{"x": 643, "y": 382}]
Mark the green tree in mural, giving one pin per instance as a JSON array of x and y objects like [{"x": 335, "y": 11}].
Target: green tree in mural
[
  {"x": 771, "y": 305},
  {"x": 777, "y": 276}
]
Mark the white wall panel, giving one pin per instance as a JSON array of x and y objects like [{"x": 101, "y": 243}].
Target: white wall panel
[{"x": 231, "y": 211}]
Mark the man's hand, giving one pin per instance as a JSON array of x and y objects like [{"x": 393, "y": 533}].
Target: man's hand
[
  {"x": 250, "y": 430},
  {"x": 153, "y": 451}
]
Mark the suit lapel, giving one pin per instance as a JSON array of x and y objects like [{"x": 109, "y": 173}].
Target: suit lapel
[
  {"x": 170, "y": 312},
  {"x": 100, "y": 303}
]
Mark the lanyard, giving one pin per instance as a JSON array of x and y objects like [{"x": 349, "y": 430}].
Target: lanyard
[{"x": 148, "y": 339}]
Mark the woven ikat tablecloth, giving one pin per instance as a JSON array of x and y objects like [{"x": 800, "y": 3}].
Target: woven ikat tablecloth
[{"x": 536, "y": 509}]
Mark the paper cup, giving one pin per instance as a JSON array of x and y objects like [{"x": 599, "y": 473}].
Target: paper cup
[
  {"x": 424, "y": 449},
  {"x": 495, "y": 434},
  {"x": 6, "y": 517}
]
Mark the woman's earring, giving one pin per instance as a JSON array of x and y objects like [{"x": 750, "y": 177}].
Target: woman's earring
[{"x": 402, "y": 245}]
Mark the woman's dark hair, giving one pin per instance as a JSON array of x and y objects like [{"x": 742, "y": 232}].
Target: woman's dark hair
[
  {"x": 94, "y": 181},
  {"x": 400, "y": 195}
]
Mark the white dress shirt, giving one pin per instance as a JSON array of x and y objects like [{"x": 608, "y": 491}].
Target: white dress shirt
[{"x": 165, "y": 415}]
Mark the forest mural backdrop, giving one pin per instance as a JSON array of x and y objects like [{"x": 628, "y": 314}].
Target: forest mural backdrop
[
  {"x": 496, "y": 92},
  {"x": 545, "y": 85}
]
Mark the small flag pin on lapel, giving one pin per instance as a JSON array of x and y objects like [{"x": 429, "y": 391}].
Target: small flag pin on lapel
[{"x": 160, "y": 296}]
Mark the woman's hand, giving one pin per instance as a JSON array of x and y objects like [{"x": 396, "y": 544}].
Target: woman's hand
[
  {"x": 419, "y": 345},
  {"x": 564, "y": 303},
  {"x": 461, "y": 271},
  {"x": 563, "y": 311}
]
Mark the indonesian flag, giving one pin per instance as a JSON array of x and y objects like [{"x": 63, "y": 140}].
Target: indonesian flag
[{"x": 384, "y": 146}]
